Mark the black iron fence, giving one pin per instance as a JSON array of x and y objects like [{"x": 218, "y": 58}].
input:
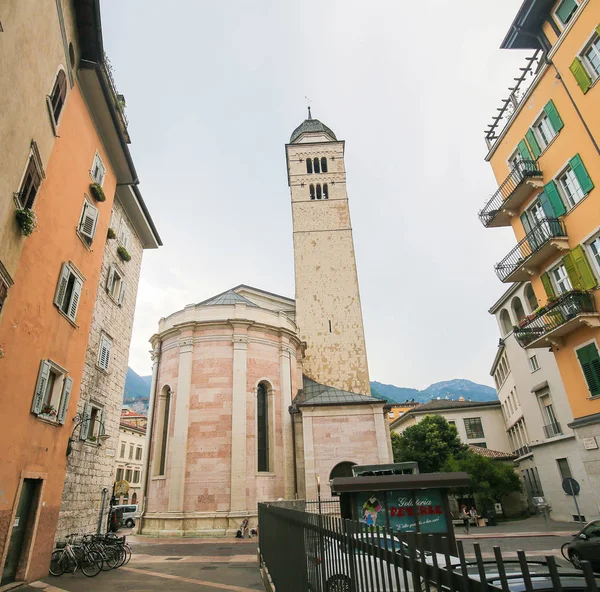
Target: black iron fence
[
  {"x": 522, "y": 170},
  {"x": 557, "y": 313},
  {"x": 552, "y": 429},
  {"x": 534, "y": 240},
  {"x": 301, "y": 551}
]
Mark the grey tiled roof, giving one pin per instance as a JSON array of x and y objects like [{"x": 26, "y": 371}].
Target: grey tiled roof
[
  {"x": 310, "y": 125},
  {"x": 443, "y": 404},
  {"x": 314, "y": 393},
  {"x": 229, "y": 297}
]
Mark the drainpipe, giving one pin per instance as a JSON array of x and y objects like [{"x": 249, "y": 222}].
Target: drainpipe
[
  {"x": 149, "y": 425},
  {"x": 293, "y": 411}
]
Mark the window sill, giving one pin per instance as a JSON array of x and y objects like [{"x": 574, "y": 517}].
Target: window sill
[
  {"x": 536, "y": 370},
  {"x": 114, "y": 299},
  {"x": 62, "y": 314},
  {"x": 548, "y": 145},
  {"x": 103, "y": 370},
  {"x": 159, "y": 478},
  {"x": 265, "y": 474},
  {"x": 49, "y": 420},
  {"x": 84, "y": 241},
  {"x": 577, "y": 204}
]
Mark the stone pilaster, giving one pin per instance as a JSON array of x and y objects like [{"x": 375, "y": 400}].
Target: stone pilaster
[
  {"x": 310, "y": 477},
  {"x": 382, "y": 435},
  {"x": 286, "y": 419}
]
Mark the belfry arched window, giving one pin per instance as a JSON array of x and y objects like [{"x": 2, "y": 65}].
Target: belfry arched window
[
  {"x": 160, "y": 452},
  {"x": 325, "y": 191},
  {"x": 319, "y": 192},
  {"x": 262, "y": 427},
  {"x": 312, "y": 192},
  {"x": 309, "y": 166},
  {"x": 59, "y": 92},
  {"x": 323, "y": 164},
  {"x": 316, "y": 166}
]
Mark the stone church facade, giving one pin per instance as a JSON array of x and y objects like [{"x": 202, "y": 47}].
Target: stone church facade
[{"x": 257, "y": 396}]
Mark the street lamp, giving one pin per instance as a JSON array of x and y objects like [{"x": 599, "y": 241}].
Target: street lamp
[{"x": 80, "y": 419}]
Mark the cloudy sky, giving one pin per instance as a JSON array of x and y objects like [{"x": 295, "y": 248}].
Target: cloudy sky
[{"x": 214, "y": 90}]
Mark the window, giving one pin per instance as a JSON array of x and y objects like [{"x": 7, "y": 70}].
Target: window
[
  {"x": 391, "y": 415},
  {"x": 531, "y": 299},
  {"x": 570, "y": 187},
  {"x": 134, "y": 498},
  {"x": 591, "y": 57},
  {"x": 119, "y": 476},
  {"x": 136, "y": 477},
  {"x": 52, "y": 392},
  {"x": 561, "y": 279},
  {"x": 115, "y": 284},
  {"x": 122, "y": 455},
  {"x": 505, "y": 322},
  {"x": 56, "y": 100},
  {"x": 68, "y": 291},
  {"x": 104, "y": 352},
  {"x": 533, "y": 363},
  {"x": 3, "y": 293},
  {"x": 452, "y": 422},
  {"x": 124, "y": 234},
  {"x": 138, "y": 453},
  {"x": 88, "y": 221},
  {"x": 30, "y": 184},
  {"x": 319, "y": 192},
  {"x": 551, "y": 427},
  {"x": 325, "y": 191},
  {"x": 309, "y": 166},
  {"x": 262, "y": 427},
  {"x": 163, "y": 431},
  {"x": 316, "y": 166},
  {"x": 94, "y": 427},
  {"x": 543, "y": 131},
  {"x": 563, "y": 468},
  {"x": 480, "y": 444},
  {"x": 323, "y": 164},
  {"x": 565, "y": 11},
  {"x": 312, "y": 192},
  {"x": 517, "y": 309},
  {"x": 593, "y": 247},
  {"x": 590, "y": 365},
  {"x": 131, "y": 448},
  {"x": 128, "y": 475},
  {"x": 474, "y": 428},
  {"x": 98, "y": 170}
]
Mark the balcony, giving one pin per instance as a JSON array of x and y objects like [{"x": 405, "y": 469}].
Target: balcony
[
  {"x": 552, "y": 430},
  {"x": 515, "y": 189},
  {"x": 559, "y": 318},
  {"x": 542, "y": 241},
  {"x": 522, "y": 451}
]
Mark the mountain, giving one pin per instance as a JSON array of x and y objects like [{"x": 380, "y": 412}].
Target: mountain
[{"x": 137, "y": 391}]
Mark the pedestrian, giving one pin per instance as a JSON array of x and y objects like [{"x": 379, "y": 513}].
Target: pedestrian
[
  {"x": 464, "y": 516},
  {"x": 244, "y": 528},
  {"x": 473, "y": 513}
]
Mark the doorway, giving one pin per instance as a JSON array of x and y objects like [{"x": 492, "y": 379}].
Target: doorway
[{"x": 21, "y": 531}]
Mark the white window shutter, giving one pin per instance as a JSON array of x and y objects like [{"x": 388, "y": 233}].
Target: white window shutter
[
  {"x": 61, "y": 288},
  {"x": 88, "y": 221},
  {"x": 40, "y": 387},
  {"x": 75, "y": 297},
  {"x": 111, "y": 279},
  {"x": 104, "y": 354},
  {"x": 85, "y": 426},
  {"x": 64, "y": 399},
  {"x": 101, "y": 427},
  {"x": 122, "y": 292}
]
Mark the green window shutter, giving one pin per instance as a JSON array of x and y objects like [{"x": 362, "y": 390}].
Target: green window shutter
[
  {"x": 525, "y": 221},
  {"x": 548, "y": 287},
  {"x": 581, "y": 173},
  {"x": 75, "y": 296},
  {"x": 572, "y": 271},
  {"x": 40, "y": 387},
  {"x": 565, "y": 10},
  {"x": 583, "y": 268},
  {"x": 598, "y": 29},
  {"x": 524, "y": 150},
  {"x": 64, "y": 400},
  {"x": 85, "y": 426},
  {"x": 554, "y": 198},
  {"x": 547, "y": 206},
  {"x": 533, "y": 143},
  {"x": 590, "y": 364},
  {"x": 553, "y": 116},
  {"x": 61, "y": 288},
  {"x": 581, "y": 75}
]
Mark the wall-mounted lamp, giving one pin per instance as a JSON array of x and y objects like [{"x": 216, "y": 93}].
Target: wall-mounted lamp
[{"x": 80, "y": 419}]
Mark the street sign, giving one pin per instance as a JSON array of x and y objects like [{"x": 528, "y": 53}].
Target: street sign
[{"x": 571, "y": 486}]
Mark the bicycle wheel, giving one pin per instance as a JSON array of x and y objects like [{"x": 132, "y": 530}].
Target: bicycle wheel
[
  {"x": 112, "y": 557},
  {"x": 127, "y": 550},
  {"x": 91, "y": 563},
  {"x": 56, "y": 563}
]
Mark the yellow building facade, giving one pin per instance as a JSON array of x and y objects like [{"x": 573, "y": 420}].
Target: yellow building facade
[{"x": 544, "y": 151}]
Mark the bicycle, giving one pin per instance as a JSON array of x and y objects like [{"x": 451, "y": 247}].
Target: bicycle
[{"x": 68, "y": 557}]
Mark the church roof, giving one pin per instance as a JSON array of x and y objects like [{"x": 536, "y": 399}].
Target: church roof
[
  {"x": 228, "y": 297},
  {"x": 311, "y": 125},
  {"x": 314, "y": 393}
]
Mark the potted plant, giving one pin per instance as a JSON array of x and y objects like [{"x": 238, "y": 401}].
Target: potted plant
[
  {"x": 27, "y": 220},
  {"x": 110, "y": 233},
  {"x": 122, "y": 252},
  {"x": 1, "y": 352},
  {"x": 91, "y": 438},
  {"x": 49, "y": 410},
  {"x": 97, "y": 192}
]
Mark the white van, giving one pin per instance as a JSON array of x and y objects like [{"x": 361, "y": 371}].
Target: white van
[{"x": 130, "y": 514}]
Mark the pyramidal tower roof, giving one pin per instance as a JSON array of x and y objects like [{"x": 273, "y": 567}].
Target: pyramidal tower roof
[
  {"x": 228, "y": 297},
  {"x": 311, "y": 125}
]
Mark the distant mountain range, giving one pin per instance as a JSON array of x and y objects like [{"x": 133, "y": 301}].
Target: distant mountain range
[{"x": 137, "y": 391}]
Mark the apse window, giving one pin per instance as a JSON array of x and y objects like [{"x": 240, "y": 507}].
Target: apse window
[
  {"x": 474, "y": 428},
  {"x": 565, "y": 11},
  {"x": 68, "y": 291},
  {"x": 262, "y": 427}
]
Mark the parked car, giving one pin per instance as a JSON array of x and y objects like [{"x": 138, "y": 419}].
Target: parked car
[
  {"x": 130, "y": 514},
  {"x": 586, "y": 546}
]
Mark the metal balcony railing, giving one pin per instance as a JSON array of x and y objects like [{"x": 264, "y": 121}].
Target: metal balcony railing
[
  {"x": 523, "y": 169},
  {"x": 522, "y": 451},
  {"x": 566, "y": 307},
  {"x": 534, "y": 240},
  {"x": 552, "y": 429}
]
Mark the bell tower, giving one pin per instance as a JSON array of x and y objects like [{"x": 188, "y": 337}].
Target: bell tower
[{"x": 328, "y": 309}]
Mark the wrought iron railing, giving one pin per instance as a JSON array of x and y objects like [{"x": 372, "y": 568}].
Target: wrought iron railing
[
  {"x": 552, "y": 429},
  {"x": 118, "y": 99},
  {"x": 534, "y": 240},
  {"x": 522, "y": 170},
  {"x": 552, "y": 316},
  {"x": 523, "y": 450}
]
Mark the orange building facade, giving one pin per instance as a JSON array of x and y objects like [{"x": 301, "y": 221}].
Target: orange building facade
[
  {"x": 47, "y": 315},
  {"x": 545, "y": 154}
]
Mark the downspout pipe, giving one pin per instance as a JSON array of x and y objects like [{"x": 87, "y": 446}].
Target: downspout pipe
[{"x": 293, "y": 410}]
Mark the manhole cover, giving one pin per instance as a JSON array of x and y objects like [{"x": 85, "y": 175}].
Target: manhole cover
[{"x": 173, "y": 558}]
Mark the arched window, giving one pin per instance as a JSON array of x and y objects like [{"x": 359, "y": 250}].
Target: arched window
[
  {"x": 319, "y": 192},
  {"x": 162, "y": 432},
  {"x": 323, "y": 164},
  {"x": 325, "y": 191},
  {"x": 316, "y": 166},
  {"x": 505, "y": 322},
  {"x": 309, "y": 166},
  {"x": 262, "y": 427},
  {"x": 343, "y": 469},
  {"x": 312, "y": 192},
  {"x": 59, "y": 92},
  {"x": 134, "y": 498},
  {"x": 518, "y": 309},
  {"x": 531, "y": 299}
]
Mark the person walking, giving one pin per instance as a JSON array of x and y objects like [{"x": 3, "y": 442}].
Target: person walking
[
  {"x": 473, "y": 514},
  {"x": 464, "y": 516}
]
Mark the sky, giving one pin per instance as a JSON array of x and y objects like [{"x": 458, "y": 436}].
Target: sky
[{"x": 214, "y": 90}]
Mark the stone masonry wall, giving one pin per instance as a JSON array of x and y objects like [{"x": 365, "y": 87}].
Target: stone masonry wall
[{"x": 90, "y": 467}]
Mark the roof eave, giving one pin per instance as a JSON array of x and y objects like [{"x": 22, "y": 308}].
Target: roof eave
[{"x": 527, "y": 24}]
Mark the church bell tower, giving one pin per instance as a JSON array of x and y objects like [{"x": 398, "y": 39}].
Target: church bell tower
[{"x": 328, "y": 309}]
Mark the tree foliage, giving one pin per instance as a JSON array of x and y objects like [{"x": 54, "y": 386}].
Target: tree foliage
[{"x": 431, "y": 442}]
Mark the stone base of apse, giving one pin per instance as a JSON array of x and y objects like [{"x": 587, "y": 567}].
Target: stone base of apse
[{"x": 195, "y": 524}]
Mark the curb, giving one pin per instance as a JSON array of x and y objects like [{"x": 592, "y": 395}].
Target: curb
[{"x": 516, "y": 535}]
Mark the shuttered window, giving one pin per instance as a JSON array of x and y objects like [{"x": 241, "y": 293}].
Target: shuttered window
[
  {"x": 104, "y": 352},
  {"x": 98, "y": 170},
  {"x": 88, "y": 221},
  {"x": 115, "y": 284},
  {"x": 579, "y": 270},
  {"x": 565, "y": 10},
  {"x": 590, "y": 364},
  {"x": 592, "y": 57},
  {"x": 68, "y": 292},
  {"x": 30, "y": 185},
  {"x": 52, "y": 392},
  {"x": 59, "y": 93}
]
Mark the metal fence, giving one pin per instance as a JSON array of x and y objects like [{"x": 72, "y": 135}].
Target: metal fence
[{"x": 302, "y": 551}]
